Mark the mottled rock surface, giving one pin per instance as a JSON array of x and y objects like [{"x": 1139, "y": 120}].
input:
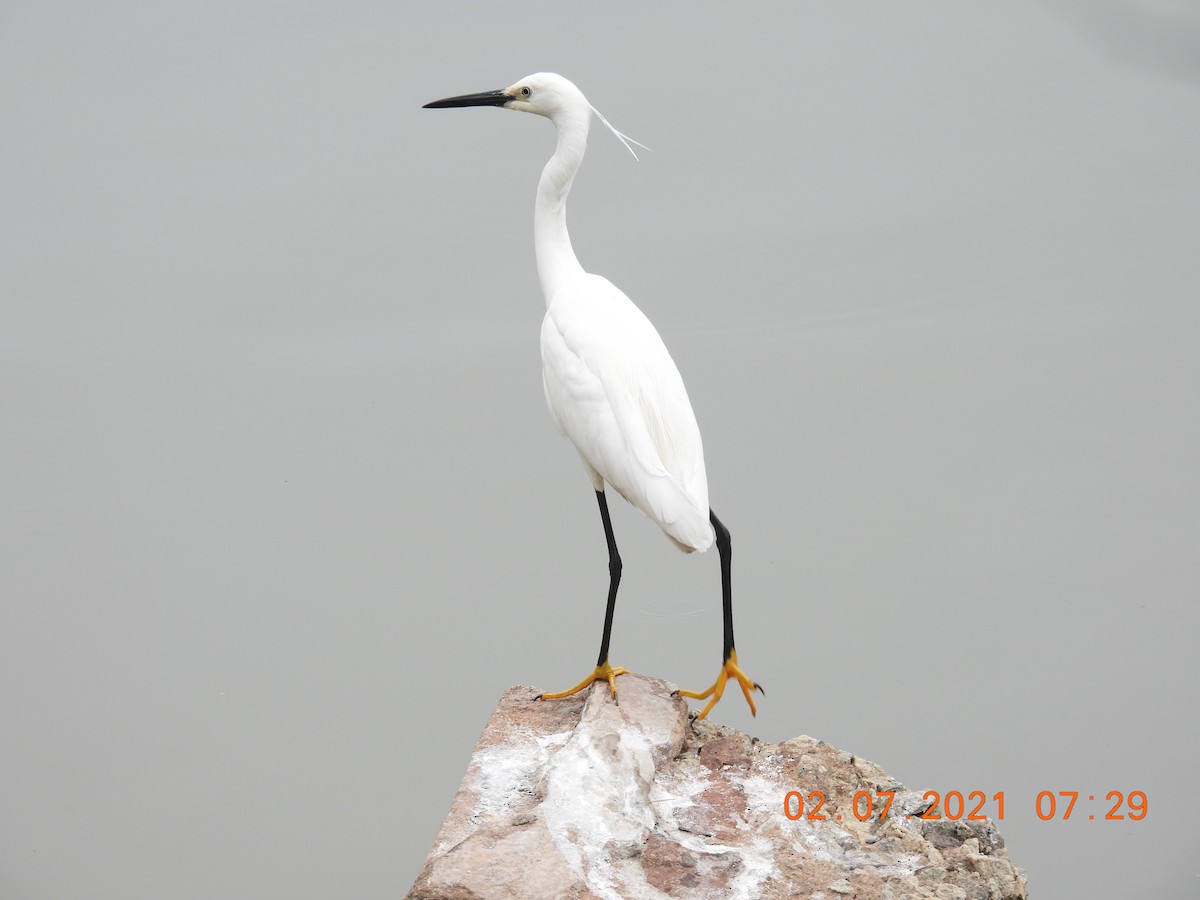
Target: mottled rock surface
[{"x": 581, "y": 798}]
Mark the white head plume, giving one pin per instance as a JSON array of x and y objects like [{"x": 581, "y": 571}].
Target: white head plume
[{"x": 623, "y": 138}]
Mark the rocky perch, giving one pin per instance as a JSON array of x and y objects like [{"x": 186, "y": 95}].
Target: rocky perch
[{"x": 583, "y": 799}]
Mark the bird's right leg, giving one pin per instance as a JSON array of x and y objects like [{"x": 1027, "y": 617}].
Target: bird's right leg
[
  {"x": 729, "y": 662},
  {"x": 604, "y": 671}
]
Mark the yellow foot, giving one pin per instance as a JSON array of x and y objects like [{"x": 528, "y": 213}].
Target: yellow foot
[
  {"x": 729, "y": 670},
  {"x": 603, "y": 673}
]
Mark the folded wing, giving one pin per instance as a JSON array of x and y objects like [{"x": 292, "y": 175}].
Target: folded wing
[{"x": 616, "y": 394}]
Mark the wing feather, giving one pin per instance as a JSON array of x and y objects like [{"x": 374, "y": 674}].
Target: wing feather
[{"x": 615, "y": 393}]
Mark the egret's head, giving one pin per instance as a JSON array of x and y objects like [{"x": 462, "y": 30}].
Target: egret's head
[
  {"x": 547, "y": 94},
  {"x": 543, "y": 93}
]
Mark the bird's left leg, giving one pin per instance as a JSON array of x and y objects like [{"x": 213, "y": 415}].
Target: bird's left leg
[
  {"x": 603, "y": 671},
  {"x": 729, "y": 666}
]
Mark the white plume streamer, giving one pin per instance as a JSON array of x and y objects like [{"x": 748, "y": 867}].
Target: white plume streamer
[{"x": 623, "y": 138}]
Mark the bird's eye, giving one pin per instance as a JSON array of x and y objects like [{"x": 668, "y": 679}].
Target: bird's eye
[{"x": 525, "y": 92}]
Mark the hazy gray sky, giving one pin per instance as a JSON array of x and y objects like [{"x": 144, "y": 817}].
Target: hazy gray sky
[{"x": 282, "y": 512}]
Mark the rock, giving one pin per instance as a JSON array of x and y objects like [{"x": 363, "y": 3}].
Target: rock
[{"x": 582, "y": 799}]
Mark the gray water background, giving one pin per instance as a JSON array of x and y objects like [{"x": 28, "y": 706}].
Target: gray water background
[{"x": 282, "y": 512}]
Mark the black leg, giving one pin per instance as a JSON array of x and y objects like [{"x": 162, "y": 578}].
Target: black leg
[
  {"x": 614, "y": 575},
  {"x": 726, "y": 551},
  {"x": 729, "y": 666}
]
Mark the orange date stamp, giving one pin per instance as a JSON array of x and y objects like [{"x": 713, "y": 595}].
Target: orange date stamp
[{"x": 973, "y": 806}]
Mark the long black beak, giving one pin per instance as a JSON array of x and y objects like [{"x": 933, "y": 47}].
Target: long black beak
[{"x": 487, "y": 98}]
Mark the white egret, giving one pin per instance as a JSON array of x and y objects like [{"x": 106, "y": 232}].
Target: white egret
[{"x": 612, "y": 387}]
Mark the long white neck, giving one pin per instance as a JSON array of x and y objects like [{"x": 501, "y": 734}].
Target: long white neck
[{"x": 556, "y": 262}]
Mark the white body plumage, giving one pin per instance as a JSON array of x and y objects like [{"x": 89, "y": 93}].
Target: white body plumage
[
  {"x": 615, "y": 393},
  {"x": 611, "y": 386}
]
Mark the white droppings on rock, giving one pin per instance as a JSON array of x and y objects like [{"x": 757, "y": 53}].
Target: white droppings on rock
[
  {"x": 507, "y": 776},
  {"x": 596, "y": 802},
  {"x": 584, "y": 798}
]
